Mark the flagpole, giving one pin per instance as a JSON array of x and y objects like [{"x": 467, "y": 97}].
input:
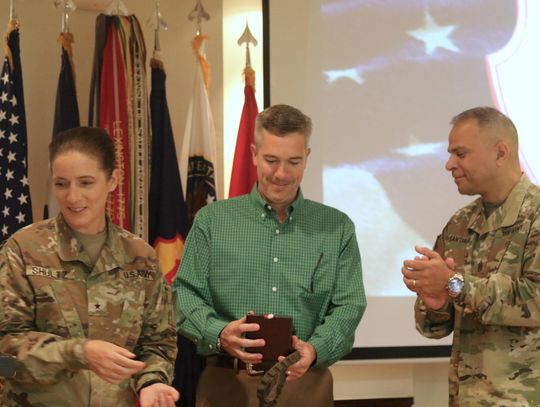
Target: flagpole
[
  {"x": 157, "y": 22},
  {"x": 12, "y": 14}
]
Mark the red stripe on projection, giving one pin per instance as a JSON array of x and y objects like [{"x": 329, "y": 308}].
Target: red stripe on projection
[{"x": 113, "y": 118}]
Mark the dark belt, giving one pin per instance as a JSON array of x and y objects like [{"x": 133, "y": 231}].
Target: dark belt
[{"x": 229, "y": 362}]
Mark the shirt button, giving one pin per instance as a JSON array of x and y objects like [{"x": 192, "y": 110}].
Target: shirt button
[
  {"x": 290, "y": 217},
  {"x": 262, "y": 215},
  {"x": 275, "y": 259},
  {"x": 211, "y": 346},
  {"x": 274, "y": 289},
  {"x": 277, "y": 231}
]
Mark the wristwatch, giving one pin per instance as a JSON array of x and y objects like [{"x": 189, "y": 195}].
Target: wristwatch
[{"x": 455, "y": 284}]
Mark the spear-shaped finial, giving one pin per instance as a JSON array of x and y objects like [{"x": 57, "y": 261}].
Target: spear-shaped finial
[
  {"x": 116, "y": 8},
  {"x": 199, "y": 14},
  {"x": 157, "y": 23},
  {"x": 247, "y": 38}
]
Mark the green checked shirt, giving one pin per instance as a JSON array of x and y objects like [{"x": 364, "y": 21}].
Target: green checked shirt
[{"x": 238, "y": 257}]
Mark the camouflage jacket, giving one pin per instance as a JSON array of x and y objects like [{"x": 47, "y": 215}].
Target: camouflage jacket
[
  {"x": 53, "y": 301},
  {"x": 496, "y": 321}
]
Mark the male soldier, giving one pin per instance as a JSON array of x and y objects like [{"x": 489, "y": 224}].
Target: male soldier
[
  {"x": 270, "y": 251},
  {"x": 482, "y": 280}
]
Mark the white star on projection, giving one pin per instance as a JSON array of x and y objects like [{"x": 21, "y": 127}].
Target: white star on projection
[
  {"x": 352, "y": 73},
  {"x": 434, "y": 36}
]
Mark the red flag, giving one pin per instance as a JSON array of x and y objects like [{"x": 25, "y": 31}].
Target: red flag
[
  {"x": 244, "y": 173},
  {"x": 113, "y": 117}
]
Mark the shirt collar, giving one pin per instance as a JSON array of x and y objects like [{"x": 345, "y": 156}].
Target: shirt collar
[
  {"x": 506, "y": 214},
  {"x": 259, "y": 201}
]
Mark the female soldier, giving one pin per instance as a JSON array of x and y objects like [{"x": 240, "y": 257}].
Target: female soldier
[{"x": 84, "y": 307}]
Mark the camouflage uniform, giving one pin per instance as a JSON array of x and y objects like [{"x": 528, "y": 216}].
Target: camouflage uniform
[
  {"x": 53, "y": 301},
  {"x": 496, "y": 321}
]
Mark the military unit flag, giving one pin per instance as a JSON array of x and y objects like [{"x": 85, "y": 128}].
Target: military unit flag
[
  {"x": 199, "y": 138},
  {"x": 119, "y": 104},
  {"x": 66, "y": 112},
  {"x": 168, "y": 224}
]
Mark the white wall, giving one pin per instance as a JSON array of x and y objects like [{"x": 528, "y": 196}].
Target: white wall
[
  {"x": 40, "y": 25},
  {"x": 424, "y": 380}
]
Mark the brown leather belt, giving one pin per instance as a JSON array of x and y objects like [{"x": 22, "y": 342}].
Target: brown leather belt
[{"x": 229, "y": 362}]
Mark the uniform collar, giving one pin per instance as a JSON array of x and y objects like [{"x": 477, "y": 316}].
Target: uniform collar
[
  {"x": 70, "y": 249},
  {"x": 505, "y": 215}
]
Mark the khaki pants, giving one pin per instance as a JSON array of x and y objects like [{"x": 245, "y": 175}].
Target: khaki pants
[{"x": 224, "y": 387}]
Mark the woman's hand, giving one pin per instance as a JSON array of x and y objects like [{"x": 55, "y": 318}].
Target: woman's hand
[
  {"x": 158, "y": 395},
  {"x": 110, "y": 362}
]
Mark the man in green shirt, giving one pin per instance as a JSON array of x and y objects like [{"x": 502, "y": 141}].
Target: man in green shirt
[{"x": 270, "y": 252}]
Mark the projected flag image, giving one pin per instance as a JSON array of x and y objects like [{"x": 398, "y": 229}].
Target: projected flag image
[{"x": 400, "y": 71}]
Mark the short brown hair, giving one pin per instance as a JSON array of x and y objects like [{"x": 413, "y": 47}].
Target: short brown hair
[{"x": 281, "y": 120}]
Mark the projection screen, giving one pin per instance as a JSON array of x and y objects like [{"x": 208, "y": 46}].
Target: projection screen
[{"x": 381, "y": 81}]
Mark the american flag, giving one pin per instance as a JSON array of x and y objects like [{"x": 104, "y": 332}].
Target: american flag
[{"x": 15, "y": 204}]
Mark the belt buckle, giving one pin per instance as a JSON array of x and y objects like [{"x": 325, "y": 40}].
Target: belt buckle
[{"x": 251, "y": 371}]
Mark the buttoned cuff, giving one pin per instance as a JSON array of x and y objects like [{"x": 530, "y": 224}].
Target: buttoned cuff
[
  {"x": 211, "y": 335},
  {"x": 321, "y": 350}
]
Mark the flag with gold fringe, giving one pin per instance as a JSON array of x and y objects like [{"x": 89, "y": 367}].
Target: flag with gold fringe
[
  {"x": 119, "y": 104},
  {"x": 244, "y": 172},
  {"x": 199, "y": 151},
  {"x": 199, "y": 138},
  {"x": 66, "y": 113},
  {"x": 15, "y": 202},
  {"x": 168, "y": 224}
]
